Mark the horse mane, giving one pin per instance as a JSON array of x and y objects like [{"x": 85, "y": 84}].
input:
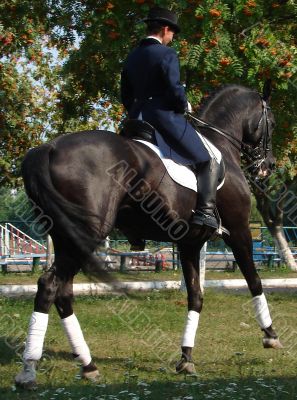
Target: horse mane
[{"x": 231, "y": 103}]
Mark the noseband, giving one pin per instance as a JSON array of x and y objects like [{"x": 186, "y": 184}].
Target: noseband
[{"x": 255, "y": 155}]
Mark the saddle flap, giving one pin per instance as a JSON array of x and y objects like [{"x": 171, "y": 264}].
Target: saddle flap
[{"x": 135, "y": 128}]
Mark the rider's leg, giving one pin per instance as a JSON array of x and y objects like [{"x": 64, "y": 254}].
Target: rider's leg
[{"x": 207, "y": 177}]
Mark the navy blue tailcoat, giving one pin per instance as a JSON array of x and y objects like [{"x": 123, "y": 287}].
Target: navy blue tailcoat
[{"x": 150, "y": 87}]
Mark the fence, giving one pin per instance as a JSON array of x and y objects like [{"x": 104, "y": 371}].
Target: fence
[
  {"x": 14, "y": 242},
  {"x": 220, "y": 256},
  {"x": 260, "y": 234}
]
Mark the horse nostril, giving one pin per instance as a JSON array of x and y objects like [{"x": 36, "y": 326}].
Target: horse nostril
[{"x": 272, "y": 165}]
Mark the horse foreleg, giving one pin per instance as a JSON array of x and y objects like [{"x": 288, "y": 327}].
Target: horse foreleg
[
  {"x": 190, "y": 264},
  {"x": 241, "y": 244},
  {"x": 69, "y": 321},
  {"x": 264, "y": 320},
  {"x": 47, "y": 287}
]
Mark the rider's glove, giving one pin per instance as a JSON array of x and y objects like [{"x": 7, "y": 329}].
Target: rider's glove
[{"x": 189, "y": 108}]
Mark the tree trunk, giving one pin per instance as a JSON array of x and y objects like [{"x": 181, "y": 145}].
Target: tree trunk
[
  {"x": 49, "y": 252},
  {"x": 283, "y": 248},
  {"x": 273, "y": 218}
]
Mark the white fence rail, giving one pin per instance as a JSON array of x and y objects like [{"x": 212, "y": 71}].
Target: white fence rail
[{"x": 13, "y": 242}]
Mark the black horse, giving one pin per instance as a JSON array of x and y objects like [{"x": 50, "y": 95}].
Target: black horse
[{"x": 90, "y": 182}]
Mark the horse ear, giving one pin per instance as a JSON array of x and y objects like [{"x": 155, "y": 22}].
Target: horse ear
[{"x": 267, "y": 89}]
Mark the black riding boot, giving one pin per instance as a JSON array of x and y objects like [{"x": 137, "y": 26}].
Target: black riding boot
[{"x": 207, "y": 176}]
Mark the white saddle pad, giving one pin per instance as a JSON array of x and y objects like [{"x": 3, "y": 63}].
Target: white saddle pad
[{"x": 180, "y": 173}]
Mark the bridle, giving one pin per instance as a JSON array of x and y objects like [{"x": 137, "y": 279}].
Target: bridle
[
  {"x": 254, "y": 155},
  {"x": 260, "y": 152}
]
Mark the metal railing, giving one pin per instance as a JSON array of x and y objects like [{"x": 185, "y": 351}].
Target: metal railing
[{"x": 13, "y": 241}]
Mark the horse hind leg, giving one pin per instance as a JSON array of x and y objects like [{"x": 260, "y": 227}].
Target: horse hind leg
[
  {"x": 190, "y": 264},
  {"x": 57, "y": 288},
  {"x": 45, "y": 296},
  {"x": 71, "y": 326}
]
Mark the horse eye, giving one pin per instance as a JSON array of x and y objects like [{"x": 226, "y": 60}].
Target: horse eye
[{"x": 273, "y": 124}]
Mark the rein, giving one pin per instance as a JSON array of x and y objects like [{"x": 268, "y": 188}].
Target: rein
[
  {"x": 263, "y": 148},
  {"x": 237, "y": 143},
  {"x": 256, "y": 154}
]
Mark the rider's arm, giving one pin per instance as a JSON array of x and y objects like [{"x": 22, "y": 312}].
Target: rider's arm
[
  {"x": 175, "y": 91},
  {"x": 127, "y": 92}
]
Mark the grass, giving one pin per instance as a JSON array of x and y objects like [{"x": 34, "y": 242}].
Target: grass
[
  {"x": 31, "y": 278},
  {"x": 135, "y": 343}
]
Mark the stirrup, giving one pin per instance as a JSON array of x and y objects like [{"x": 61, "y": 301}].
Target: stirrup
[
  {"x": 200, "y": 218},
  {"x": 220, "y": 230}
]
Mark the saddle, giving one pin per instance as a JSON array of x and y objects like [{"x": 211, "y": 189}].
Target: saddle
[
  {"x": 142, "y": 130},
  {"x": 138, "y": 129}
]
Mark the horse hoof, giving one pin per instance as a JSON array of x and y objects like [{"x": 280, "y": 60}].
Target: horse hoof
[
  {"x": 272, "y": 343},
  {"x": 90, "y": 372},
  {"x": 91, "y": 376},
  {"x": 26, "y": 379},
  {"x": 185, "y": 367}
]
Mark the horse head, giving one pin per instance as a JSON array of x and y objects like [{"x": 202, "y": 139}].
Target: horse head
[{"x": 257, "y": 133}]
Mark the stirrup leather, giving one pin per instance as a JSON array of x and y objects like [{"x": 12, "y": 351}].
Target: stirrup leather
[{"x": 220, "y": 230}]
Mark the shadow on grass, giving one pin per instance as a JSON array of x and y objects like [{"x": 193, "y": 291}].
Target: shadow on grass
[
  {"x": 8, "y": 349},
  {"x": 282, "y": 388},
  {"x": 127, "y": 382},
  {"x": 11, "y": 350}
]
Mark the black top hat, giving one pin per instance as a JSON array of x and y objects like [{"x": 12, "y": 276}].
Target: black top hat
[{"x": 164, "y": 16}]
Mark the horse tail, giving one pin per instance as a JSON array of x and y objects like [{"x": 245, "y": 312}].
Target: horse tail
[{"x": 69, "y": 223}]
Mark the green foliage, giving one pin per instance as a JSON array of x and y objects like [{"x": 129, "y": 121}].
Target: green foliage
[
  {"x": 60, "y": 64},
  {"x": 14, "y": 206},
  {"x": 27, "y": 81},
  {"x": 255, "y": 214}
]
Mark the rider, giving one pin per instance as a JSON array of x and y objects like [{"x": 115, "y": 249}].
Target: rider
[{"x": 151, "y": 90}]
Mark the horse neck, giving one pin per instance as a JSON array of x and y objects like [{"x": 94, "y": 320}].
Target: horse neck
[
  {"x": 224, "y": 119},
  {"x": 227, "y": 112}
]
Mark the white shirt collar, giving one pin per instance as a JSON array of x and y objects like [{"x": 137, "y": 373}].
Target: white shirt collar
[{"x": 154, "y": 37}]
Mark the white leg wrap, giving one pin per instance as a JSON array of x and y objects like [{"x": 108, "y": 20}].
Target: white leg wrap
[
  {"x": 262, "y": 311},
  {"x": 188, "y": 339},
  {"x": 35, "y": 338},
  {"x": 76, "y": 339}
]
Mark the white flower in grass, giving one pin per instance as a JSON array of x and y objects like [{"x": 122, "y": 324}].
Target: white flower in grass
[{"x": 142, "y": 383}]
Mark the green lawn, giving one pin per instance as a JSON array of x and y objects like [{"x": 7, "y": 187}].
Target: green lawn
[
  {"x": 29, "y": 278},
  {"x": 135, "y": 343}
]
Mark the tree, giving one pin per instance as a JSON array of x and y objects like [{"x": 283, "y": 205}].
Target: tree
[
  {"x": 277, "y": 203},
  {"x": 60, "y": 63},
  {"x": 221, "y": 42},
  {"x": 241, "y": 41},
  {"x": 26, "y": 82},
  {"x": 76, "y": 85}
]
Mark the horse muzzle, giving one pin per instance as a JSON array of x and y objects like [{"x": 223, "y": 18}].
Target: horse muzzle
[{"x": 266, "y": 167}]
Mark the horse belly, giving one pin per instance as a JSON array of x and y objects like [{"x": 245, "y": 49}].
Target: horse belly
[{"x": 159, "y": 213}]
